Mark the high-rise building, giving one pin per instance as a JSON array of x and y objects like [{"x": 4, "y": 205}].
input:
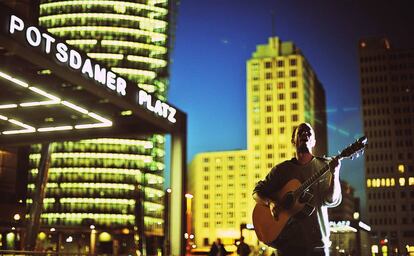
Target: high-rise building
[
  {"x": 282, "y": 92},
  {"x": 387, "y": 87},
  {"x": 115, "y": 186}
]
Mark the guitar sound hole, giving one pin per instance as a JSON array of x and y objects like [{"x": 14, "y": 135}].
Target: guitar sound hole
[{"x": 288, "y": 200}]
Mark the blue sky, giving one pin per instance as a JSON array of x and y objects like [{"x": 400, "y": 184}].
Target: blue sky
[{"x": 215, "y": 38}]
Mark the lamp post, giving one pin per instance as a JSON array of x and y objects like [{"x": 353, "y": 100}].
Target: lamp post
[{"x": 188, "y": 212}]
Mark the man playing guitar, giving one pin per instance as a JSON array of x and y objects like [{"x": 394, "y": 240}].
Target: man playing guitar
[{"x": 303, "y": 235}]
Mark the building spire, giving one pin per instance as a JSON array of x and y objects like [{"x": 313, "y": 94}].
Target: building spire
[{"x": 272, "y": 14}]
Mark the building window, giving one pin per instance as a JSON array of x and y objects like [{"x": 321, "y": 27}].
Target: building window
[
  {"x": 293, "y": 84},
  {"x": 269, "y": 131},
  {"x": 269, "y": 87},
  {"x": 282, "y": 119},
  {"x": 268, "y": 64},
  {"x": 294, "y": 106},
  {"x": 256, "y": 132},
  {"x": 281, "y": 107},
  {"x": 293, "y": 73},
  {"x": 268, "y": 108},
  {"x": 281, "y": 96},
  {"x": 294, "y": 118},
  {"x": 280, "y": 74},
  {"x": 268, "y": 75},
  {"x": 280, "y": 63},
  {"x": 268, "y": 119},
  {"x": 294, "y": 95},
  {"x": 268, "y": 97},
  {"x": 293, "y": 62},
  {"x": 280, "y": 85}
]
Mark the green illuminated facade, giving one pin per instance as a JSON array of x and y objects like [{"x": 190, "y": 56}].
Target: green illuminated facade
[{"x": 110, "y": 182}]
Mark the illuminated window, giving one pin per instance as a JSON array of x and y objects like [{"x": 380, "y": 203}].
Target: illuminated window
[
  {"x": 368, "y": 183},
  {"x": 401, "y": 168},
  {"x": 402, "y": 181}
]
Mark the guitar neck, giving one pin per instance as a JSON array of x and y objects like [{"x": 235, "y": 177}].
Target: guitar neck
[{"x": 309, "y": 182}]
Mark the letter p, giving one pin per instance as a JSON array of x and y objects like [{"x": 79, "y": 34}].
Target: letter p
[{"x": 16, "y": 24}]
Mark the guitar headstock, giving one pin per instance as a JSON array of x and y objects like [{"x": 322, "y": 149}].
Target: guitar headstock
[{"x": 355, "y": 149}]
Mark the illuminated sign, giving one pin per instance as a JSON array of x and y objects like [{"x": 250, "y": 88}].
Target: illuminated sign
[
  {"x": 158, "y": 107},
  {"x": 72, "y": 58}
]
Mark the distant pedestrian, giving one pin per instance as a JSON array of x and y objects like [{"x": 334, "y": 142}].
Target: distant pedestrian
[
  {"x": 243, "y": 249},
  {"x": 213, "y": 249},
  {"x": 221, "y": 250}
]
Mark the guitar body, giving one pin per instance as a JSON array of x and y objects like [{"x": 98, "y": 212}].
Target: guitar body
[{"x": 267, "y": 227}]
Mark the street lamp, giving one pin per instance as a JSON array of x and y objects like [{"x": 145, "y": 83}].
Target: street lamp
[{"x": 188, "y": 197}]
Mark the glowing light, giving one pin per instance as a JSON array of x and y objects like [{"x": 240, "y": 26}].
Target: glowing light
[
  {"x": 75, "y": 107},
  {"x": 82, "y": 41},
  {"x": 158, "y": 62},
  {"x": 39, "y": 103},
  {"x": 43, "y": 93},
  {"x": 401, "y": 181},
  {"x": 98, "y": 117},
  {"x": 129, "y": 44},
  {"x": 6, "y": 106},
  {"x": 155, "y": 37},
  {"x": 401, "y": 168},
  {"x": 16, "y": 217},
  {"x": 14, "y": 80},
  {"x": 57, "y": 128},
  {"x": 148, "y": 23},
  {"x": 364, "y": 226},
  {"x": 106, "y": 56},
  {"x": 136, "y": 6},
  {"x": 132, "y": 71},
  {"x": 88, "y": 126}
]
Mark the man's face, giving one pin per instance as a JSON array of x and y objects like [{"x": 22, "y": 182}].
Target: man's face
[{"x": 304, "y": 139}]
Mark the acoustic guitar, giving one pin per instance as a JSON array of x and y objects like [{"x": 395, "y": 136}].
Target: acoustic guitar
[{"x": 292, "y": 198}]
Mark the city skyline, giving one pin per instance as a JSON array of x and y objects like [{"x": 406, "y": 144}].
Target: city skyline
[{"x": 215, "y": 38}]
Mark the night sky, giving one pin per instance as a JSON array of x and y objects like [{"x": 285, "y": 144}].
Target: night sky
[{"x": 215, "y": 38}]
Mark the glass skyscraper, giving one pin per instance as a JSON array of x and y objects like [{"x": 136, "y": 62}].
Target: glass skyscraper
[{"x": 115, "y": 186}]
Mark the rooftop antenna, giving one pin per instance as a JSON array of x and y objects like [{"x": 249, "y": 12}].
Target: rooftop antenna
[{"x": 272, "y": 14}]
